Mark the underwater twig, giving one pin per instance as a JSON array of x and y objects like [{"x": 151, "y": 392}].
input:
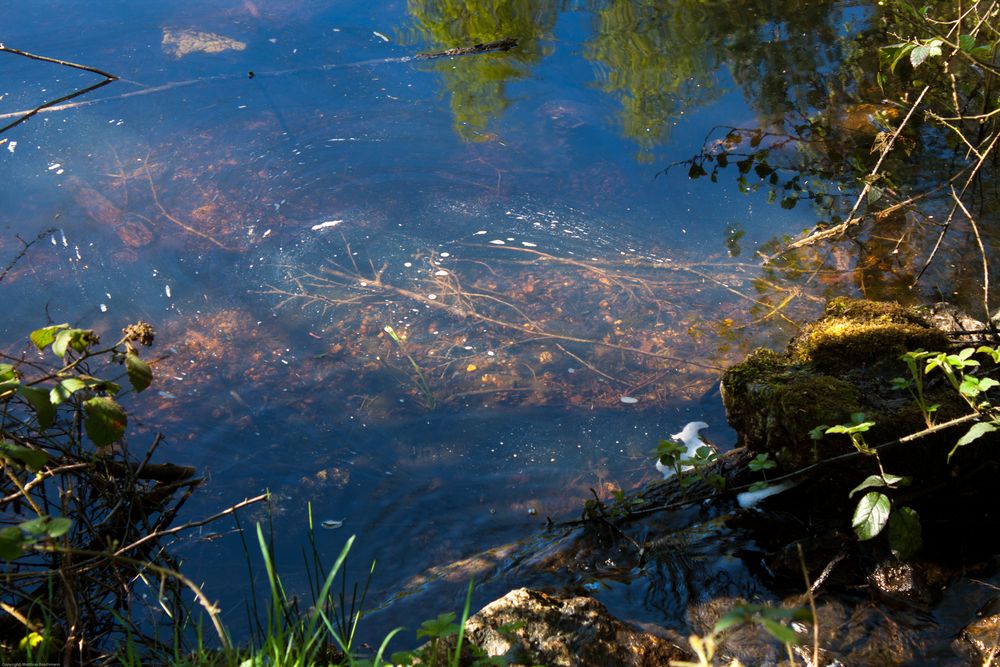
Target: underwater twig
[
  {"x": 187, "y": 228},
  {"x": 434, "y": 303},
  {"x": 591, "y": 366},
  {"x": 45, "y": 233}
]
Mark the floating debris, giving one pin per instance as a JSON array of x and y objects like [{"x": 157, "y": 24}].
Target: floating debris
[
  {"x": 324, "y": 225},
  {"x": 749, "y": 499},
  {"x": 380, "y": 35},
  {"x": 441, "y": 273},
  {"x": 332, "y": 524},
  {"x": 628, "y": 400},
  {"x": 497, "y": 242}
]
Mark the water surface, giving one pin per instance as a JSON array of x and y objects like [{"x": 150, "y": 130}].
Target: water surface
[{"x": 506, "y": 214}]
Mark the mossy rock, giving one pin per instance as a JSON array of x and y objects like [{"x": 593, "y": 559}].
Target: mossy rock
[
  {"x": 855, "y": 333},
  {"x": 774, "y": 406},
  {"x": 837, "y": 366}
]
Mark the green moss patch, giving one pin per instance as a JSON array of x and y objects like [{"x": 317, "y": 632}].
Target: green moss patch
[{"x": 855, "y": 332}]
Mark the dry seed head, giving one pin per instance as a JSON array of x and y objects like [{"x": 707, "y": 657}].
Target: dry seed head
[{"x": 141, "y": 332}]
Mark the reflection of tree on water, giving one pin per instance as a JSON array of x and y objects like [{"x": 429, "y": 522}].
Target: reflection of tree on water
[
  {"x": 891, "y": 145},
  {"x": 657, "y": 60},
  {"x": 476, "y": 85}
]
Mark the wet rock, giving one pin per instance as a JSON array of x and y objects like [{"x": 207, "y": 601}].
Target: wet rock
[
  {"x": 564, "y": 631},
  {"x": 984, "y": 633},
  {"x": 918, "y": 583},
  {"x": 840, "y": 365}
]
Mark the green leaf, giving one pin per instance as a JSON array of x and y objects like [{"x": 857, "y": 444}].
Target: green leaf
[
  {"x": 901, "y": 383},
  {"x": 35, "y": 526},
  {"x": 762, "y": 462},
  {"x": 788, "y": 203},
  {"x": 40, "y": 403},
  {"x": 139, "y": 372},
  {"x": 77, "y": 339},
  {"x": 11, "y": 540},
  {"x": 978, "y": 430},
  {"x": 818, "y": 432},
  {"x": 7, "y": 373},
  {"x": 920, "y": 54},
  {"x": 58, "y": 527},
  {"x": 728, "y": 620},
  {"x": 42, "y": 338},
  {"x": 993, "y": 352},
  {"x": 105, "y": 421},
  {"x": 32, "y": 459},
  {"x": 987, "y": 383},
  {"x": 782, "y": 633},
  {"x": 871, "y": 515},
  {"x": 983, "y": 52},
  {"x": 966, "y": 43},
  {"x": 895, "y": 53},
  {"x": 875, "y": 481},
  {"x": 61, "y": 342},
  {"x": 969, "y": 386},
  {"x": 66, "y": 388},
  {"x": 442, "y": 626},
  {"x": 905, "y": 533}
]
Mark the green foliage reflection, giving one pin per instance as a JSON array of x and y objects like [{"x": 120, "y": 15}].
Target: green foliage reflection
[
  {"x": 655, "y": 58},
  {"x": 476, "y": 85}
]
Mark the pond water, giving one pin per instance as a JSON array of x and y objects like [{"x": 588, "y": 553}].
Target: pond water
[{"x": 438, "y": 299}]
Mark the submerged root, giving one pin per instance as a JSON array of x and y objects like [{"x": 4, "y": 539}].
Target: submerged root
[{"x": 526, "y": 326}]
